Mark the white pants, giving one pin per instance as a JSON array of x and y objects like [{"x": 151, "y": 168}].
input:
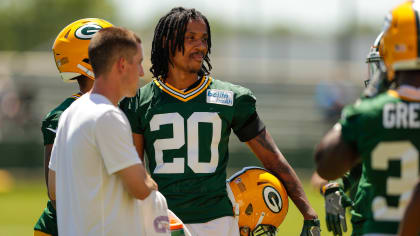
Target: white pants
[{"x": 224, "y": 226}]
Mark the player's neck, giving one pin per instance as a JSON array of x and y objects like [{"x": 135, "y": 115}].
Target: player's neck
[
  {"x": 85, "y": 84},
  {"x": 108, "y": 88},
  {"x": 181, "y": 80}
]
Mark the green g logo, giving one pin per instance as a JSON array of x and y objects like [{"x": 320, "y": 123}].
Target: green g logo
[
  {"x": 87, "y": 31},
  {"x": 272, "y": 199}
]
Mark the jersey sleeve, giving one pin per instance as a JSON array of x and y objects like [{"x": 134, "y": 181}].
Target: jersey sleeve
[
  {"x": 114, "y": 141},
  {"x": 246, "y": 124},
  {"x": 49, "y": 128},
  {"x": 351, "y": 179},
  {"x": 349, "y": 121},
  {"x": 131, "y": 108}
]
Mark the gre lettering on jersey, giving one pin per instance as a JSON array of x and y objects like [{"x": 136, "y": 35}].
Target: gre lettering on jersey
[
  {"x": 221, "y": 97},
  {"x": 87, "y": 31},
  {"x": 272, "y": 199},
  {"x": 401, "y": 115}
]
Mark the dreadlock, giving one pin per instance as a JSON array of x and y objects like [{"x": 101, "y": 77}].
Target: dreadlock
[{"x": 169, "y": 35}]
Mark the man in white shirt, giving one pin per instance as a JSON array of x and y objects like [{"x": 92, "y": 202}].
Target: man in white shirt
[{"x": 95, "y": 173}]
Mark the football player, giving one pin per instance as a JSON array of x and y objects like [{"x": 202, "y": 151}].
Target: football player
[
  {"x": 334, "y": 192},
  {"x": 183, "y": 120},
  {"x": 70, "y": 52},
  {"x": 382, "y": 132}
]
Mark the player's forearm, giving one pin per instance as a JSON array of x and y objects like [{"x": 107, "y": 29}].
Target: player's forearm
[
  {"x": 293, "y": 186},
  {"x": 137, "y": 182},
  {"x": 266, "y": 150},
  {"x": 409, "y": 224}
]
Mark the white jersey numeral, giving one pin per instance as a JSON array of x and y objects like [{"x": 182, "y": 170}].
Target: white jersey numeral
[
  {"x": 178, "y": 140},
  {"x": 177, "y": 166},
  {"x": 402, "y": 186}
]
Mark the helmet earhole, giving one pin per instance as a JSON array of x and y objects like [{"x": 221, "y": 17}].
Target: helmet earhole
[{"x": 249, "y": 209}]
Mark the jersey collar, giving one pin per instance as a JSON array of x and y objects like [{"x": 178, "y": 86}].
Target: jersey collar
[
  {"x": 76, "y": 95},
  {"x": 181, "y": 95}
]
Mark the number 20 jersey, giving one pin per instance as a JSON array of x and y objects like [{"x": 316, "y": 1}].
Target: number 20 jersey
[
  {"x": 386, "y": 133},
  {"x": 186, "y": 141}
]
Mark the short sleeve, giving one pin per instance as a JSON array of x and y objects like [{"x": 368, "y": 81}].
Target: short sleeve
[
  {"x": 246, "y": 123},
  {"x": 49, "y": 128},
  {"x": 349, "y": 124},
  {"x": 131, "y": 108},
  {"x": 114, "y": 141}
]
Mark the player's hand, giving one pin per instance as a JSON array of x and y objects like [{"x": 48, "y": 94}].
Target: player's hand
[
  {"x": 311, "y": 228},
  {"x": 336, "y": 202},
  {"x": 264, "y": 230}
]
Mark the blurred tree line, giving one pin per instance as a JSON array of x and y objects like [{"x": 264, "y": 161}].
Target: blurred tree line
[{"x": 33, "y": 24}]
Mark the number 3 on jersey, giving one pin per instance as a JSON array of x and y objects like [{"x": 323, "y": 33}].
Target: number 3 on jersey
[
  {"x": 178, "y": 140},
  {"x": 408, "y": 154}
]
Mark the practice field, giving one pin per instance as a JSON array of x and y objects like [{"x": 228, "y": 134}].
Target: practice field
[{"x": 21, "y": 207}]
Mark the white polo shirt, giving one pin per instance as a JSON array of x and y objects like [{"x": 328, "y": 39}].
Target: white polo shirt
[{"x": 94, "y": 141}]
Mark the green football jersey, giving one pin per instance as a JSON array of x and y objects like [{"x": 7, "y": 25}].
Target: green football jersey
[
  {"x": 50, "y": 121},
  {"x": 186, "y": 141},
  {"x": 386, "y": 133},
  {"x": 47, "y": 222}
]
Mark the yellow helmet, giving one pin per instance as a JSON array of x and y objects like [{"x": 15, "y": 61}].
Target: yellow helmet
[
  {"x": 400, "y": 43},
  {"x": 258, "y": 199},
  {"x": 71, "y": 48}
]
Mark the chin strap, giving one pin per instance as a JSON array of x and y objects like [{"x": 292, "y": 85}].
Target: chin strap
[
  {"x": 260, "y": 219},
  {"x": 233, "y": 201},
  {"x": 86, "y": 70}
]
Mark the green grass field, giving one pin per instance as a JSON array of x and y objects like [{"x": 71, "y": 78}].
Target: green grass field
[{"x": 21, "y": 207}]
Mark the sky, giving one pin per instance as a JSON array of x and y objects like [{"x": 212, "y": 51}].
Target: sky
[{"x": 318, "y": 17}]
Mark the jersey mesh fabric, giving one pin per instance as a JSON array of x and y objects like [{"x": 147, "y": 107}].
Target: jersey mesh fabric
[{"x": 186, "y": 143}]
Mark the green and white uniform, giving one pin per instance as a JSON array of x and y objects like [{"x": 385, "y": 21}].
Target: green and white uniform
[
  {"x": 385, "y": 130},
  {"x": 186, "y": 137},
  {"x": 47, "y": 222}
]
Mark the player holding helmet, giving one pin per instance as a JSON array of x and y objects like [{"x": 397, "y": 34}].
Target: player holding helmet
[{"x": 183, "y": 120}]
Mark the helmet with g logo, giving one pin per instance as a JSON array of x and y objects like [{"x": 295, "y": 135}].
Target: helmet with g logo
[
  {"x": 71, "y": 48},
  {"x": 400, "y": 44},
  {"x": 258, "y": 198}
]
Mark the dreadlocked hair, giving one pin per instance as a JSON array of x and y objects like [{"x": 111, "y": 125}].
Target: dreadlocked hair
[{"x": 169, "y": 35}]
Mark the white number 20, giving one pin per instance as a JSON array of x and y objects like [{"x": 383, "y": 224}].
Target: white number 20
[
  {"x": 408, "y": 154},
  {"x": 178, "y": 140}
]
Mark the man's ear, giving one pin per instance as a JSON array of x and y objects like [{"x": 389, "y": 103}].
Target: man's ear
[{"x": 121, "y": 64}]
